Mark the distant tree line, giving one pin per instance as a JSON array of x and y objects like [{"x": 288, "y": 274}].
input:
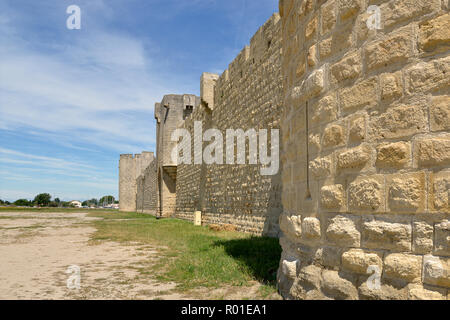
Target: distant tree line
[{"x": 45, "y": 200}]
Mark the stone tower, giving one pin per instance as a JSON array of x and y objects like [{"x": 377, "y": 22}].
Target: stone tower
[
  {"x": 172, "y": 110},
  {"x": 365, "y": 130},
  {"x": 130, "y": 168}
]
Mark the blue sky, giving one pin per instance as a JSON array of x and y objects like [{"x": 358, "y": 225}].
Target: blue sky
[{"x": 71, "y": 101}]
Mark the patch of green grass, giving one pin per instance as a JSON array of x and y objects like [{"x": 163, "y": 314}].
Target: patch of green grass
[
  {"x": 114, "y": 214},
  {"x": 196, "y": 256}
]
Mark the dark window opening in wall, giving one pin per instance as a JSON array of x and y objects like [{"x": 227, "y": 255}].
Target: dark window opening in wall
[
  {"x": 167, "y": 113},
  {"x": 269, "y": 43},
  {"x": 187, "y": 112}
]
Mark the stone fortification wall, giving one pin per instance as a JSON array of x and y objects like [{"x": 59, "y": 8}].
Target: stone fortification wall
[
  {"x": 366, "y": 150},
  {"x": 248, "y": 95}
]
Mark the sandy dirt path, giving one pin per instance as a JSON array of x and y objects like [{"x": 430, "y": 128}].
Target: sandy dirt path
[{"x": 37, "y": 249}]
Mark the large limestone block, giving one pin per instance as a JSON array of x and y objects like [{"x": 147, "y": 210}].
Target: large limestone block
[
  {"x": 433, "y": 152},
  {"x": 338, "y": 288},
  {"x": 354, "y": 158},
  {"x": 436, "y": 271},
  {"x": 366, "y": 194},
  {"x": 418, "y": 292},
  {"x": 403, "y": 266},
  {"x": 387, "y": 235},
  {"x": 332, "y": 197},
  {"x": 423, "y": 237},
  {"x": 442, "y": 238},
  {"x": 434, "y": 35},
  {"x": 396, "y": 12},
  {"x": 359, "y": 261},
  {"x": 310, "y": 87},
  {"x": 440, "y": 113},
  {"x": 311, "y": 228},
  {"x": 394, "y": 155},
  {"x": 359, "y": 95},
  {"x": 398, "y": 122},
  {"x": 291, "y": 226},
  {"x": 428, "y": 76},
  {"x": 385, "y": 292},
  {"x": 407, "y": 192},
  {"x": 342, "y": 231},
  {"x": 394, "y": 48}
]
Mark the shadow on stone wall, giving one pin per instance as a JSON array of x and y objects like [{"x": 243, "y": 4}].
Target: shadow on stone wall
[{"x": 259, "y": 255}]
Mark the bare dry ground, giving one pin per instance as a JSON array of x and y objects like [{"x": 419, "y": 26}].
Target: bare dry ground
[{"x": 37, "y": 248}]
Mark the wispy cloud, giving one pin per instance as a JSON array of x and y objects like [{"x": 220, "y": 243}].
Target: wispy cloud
[{"x": 71, "y": 101}]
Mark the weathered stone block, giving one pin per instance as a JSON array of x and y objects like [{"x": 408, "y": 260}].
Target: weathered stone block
[
  {"x": 407, "y": 192},
  {"x": 301, "y": 66},
  {"x": 394, "y": 155},
  {"x": 442, "y": 239},
  {"x": 357, "y": 131},
  {"x": 396, "y": 12},
  {"x": 367, "y": 194},
  {"x": 440, "y": 113},
  {"x": 312, "y": 56},
  {"x": 403, "y": 266},
  {"x": 434, "y": 35},
  {"x": 310, "y": 277},
  {"x": 328, "y": 257},
  {"x": 291, "y": 226},
  {"x": 385, "y": 292},
  {"x": 348, "y": 68},
  {"x": 433, "y": 152},
  {"x": 429, "y": 76},
  {"x": 320, "y": 167},
  {"x": 328, "y": 17},
  {"x": 349, "y": 8},
  {"x": 311, "y": 228},
  {"x": 342, "y": 231},
  {"x": 310, "y": 87},
  {"x": 359, "y": 261},
  {"x": 418, "y": 292},
  {"x": 395, "y": 48},
  {"x": 325, "y": 48},
  {"x": 391, "y": 85},
  {"x": 353, "y": 158},
  {"x": 439, "y": 194},
  {"x": 332, "y": 197},
  {"x": 334, "y": 135},
  {"x": 387, "y": 235},
  {"x": 289, "y": 268},
  {"x": 399, "y": 122},
  {"x": 305, "y": 7},
  {"x": 311, "y": 28},
  {"x": 359, "y": 96},
  {"x": 340, "y": 41},
  {"x": 325, "y": 110},
  {"x": 436, "y": 271},
  {"x": 336, "y": 287},
  {"x": 423, "y": 237}
]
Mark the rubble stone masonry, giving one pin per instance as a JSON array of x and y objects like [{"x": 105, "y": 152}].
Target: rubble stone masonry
[{"x": 366, "y": 150}]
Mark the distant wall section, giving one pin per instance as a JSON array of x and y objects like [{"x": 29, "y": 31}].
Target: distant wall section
[{"x": 247, "y": 95}]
